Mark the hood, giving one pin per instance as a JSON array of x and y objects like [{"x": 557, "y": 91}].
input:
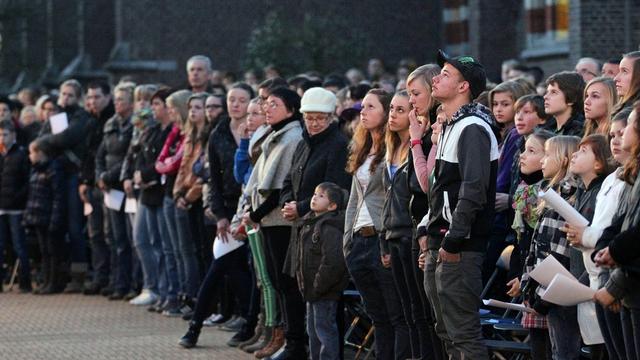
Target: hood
[{"x": 479, "y": 110}]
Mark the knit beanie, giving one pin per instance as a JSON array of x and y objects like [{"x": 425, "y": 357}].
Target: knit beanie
[{"x": 318, "y": 99}]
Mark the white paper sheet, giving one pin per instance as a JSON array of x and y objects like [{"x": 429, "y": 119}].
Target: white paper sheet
[
  {"x": 221, "y": 248},
  {"x": 564, "y": 291},
  {"x": 571, "y": 215},
  {"x": 130, "y": 206},
  {"x": 506, "y": 305},
  {"x": 88, "y": 209},
  {"x": 547, "y": 270},
  {"x": 59, "y": 123},
  {"x": 113, "y": 199}
]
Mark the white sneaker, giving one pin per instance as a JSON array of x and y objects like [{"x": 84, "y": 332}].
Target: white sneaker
[
  {"x": 146, "y": 298},
  {"x": 212, "y": 320}
]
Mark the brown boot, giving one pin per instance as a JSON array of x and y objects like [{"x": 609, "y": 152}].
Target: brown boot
[{"x": 277, "y": 341}]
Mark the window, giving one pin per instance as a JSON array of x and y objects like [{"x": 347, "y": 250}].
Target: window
[
  {"x": 456, "y": 27},
  {"x": 547, "y": 27}
]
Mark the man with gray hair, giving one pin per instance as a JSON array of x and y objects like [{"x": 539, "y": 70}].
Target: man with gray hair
[
  {"x": 588, "y": 68},
  {"x": 199, "y": 72}
]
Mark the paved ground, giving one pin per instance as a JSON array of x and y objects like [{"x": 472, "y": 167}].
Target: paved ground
[{"x": 91, "y": 327}]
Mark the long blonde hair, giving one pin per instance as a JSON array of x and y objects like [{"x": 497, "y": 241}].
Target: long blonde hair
[
  {"x": 563, "y": 147},
  {"x": 393, "y": 140},
  {"x": 591, "y": 126}
]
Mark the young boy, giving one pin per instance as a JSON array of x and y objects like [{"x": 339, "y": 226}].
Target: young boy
[
  {"x": 321, "y": 273},
  {"x": 563, "y": 101},
  {"x": 44, "y": 215},
  {"x": 14, "y": 177}
]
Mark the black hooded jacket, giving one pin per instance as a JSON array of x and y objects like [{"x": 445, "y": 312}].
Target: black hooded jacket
[{"x": 463, "y": 196}]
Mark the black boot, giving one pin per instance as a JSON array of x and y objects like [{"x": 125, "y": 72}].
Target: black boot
[
  {"x": 57, "y": 274},
  {"x": 190, "y": 339}
]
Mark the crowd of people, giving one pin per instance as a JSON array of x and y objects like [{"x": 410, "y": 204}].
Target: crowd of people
[{"x": 251, "y": 206}]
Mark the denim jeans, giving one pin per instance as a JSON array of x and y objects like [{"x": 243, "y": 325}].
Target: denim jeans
[
  {"x": 124, "y": 260},
  {"x": 324, "y": 339},
  {"x": 75, "y": 218},
  {"x": 459, "y": 285},
  {"x": 171, "y": 245},
  {"x": 432, "y": 294},
  {"x": 564, "y": 332},
  {"x": 11, "y": 229},
  {"x": 148, "y": 244},
  {"x": 375, "y": 284},
  {"x": 236, "y": 267},
  {"x": 187, "y": 252},
  {"x": 409, "y": 287},
  {"x": 98, "y": 232}
]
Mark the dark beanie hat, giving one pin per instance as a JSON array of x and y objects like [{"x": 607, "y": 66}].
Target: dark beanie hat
[{"x": 290, "y": 98}]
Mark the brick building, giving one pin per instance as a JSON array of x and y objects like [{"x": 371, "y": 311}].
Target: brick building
[{"x": 45, "y": 41}]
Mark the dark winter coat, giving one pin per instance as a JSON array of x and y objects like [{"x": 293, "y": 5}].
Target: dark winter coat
[
  {"x": 463, "y": 195},
  {"x": 322, "y": 273},
  {"x": 14, "y": 178},
  {"x": 147, "y": 150},
  {"x": 574, "y": 126},
  {"x": 27, "y": 134},
  {"x": 317, "y": 159},
  {"x": 224, "y": 190},
  {"x": 88, "y": 170},
  {"x": 396, "y": 214},
  {"x": 72, "y": 143},
  {"x": 112, "y": 151},
  {"x": 45, "y": 206}
]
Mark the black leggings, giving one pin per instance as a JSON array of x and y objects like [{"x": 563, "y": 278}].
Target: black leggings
[
  {"x": 235, "y": 266},
  {"x": 276, "y": 240}
]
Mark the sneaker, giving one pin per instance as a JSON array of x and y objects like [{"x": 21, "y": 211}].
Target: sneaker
[
  {"x": 243, "y": 335},
  {"x": 130, "y": 295},
  {"x": 158, "y": 305},
  {"x": 116, "y": 295},
  {"x": 172, "y": 312},
  {"x": 93, "y": 288},
  {"x": 106, "y": 291},
  {"x": 146, "y": 298},
  {"x": 213, "y": 320},
  {"x": 234, "y": 326}
]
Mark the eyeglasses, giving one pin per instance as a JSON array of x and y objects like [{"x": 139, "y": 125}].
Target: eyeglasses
[
  {"x": 317, "y": 120},
  {"x": 213, "y": 106},
  {"x": 273, "y": 104}
]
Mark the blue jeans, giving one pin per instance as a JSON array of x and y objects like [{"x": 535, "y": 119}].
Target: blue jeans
[
  {"x": 375, "y": 284},
  {"x": 98, "y": 232},
  {"x": 75, "y": 218},
  {"x": 564, "y": 332},
  {"x": 147, "y": 241},
  {"x": 173, "y": 243},
  {"x": 123, "y": 271},
  {"x": 324, "y": 339},
  {"x": 11, "y": 230},
  {"x": 187, "y": 253}
]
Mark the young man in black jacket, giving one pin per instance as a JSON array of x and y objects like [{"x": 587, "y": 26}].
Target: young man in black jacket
[
  {"x": 461, "y": 205},
  {"x": 99, "y": 104}
]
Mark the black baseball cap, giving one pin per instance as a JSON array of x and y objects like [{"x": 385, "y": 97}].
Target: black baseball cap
[{"x": 472, "y": 71}]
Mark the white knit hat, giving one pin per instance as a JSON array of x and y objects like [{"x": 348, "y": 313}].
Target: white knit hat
[{"x": 318, "y": 99}]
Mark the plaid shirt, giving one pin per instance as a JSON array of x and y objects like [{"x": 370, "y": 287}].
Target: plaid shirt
[
  {"x": 534, "y": 321},
  {"x": 547, "y": 240}
]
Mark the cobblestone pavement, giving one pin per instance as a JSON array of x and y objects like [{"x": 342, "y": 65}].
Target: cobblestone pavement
[{"x": 91, "y": 327}]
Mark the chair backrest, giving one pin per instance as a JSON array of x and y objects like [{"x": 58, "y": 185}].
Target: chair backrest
[{"x": 505, "y": 258}]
